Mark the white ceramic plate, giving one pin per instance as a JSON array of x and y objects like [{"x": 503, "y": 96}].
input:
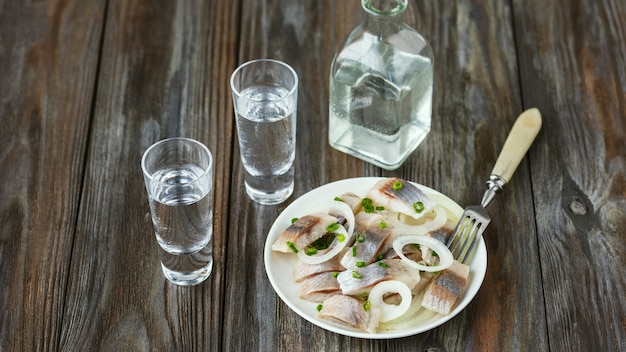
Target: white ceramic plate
[{"x": 279, "y": 265}]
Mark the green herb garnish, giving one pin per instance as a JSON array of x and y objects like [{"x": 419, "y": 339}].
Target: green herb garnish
[
  {"x": 360, "y": 264},
  {"x": 293, "y": 248},
  {"x": 319, "y": 307},
  {"x": 366, "y": 305},
  {"x": 332, "y": 227},
  {"x": 397, "y": 185},
  {"x": 356, "y": 275},
  {"x": 368, "y": 207},
  {"x": 418, "y": 206}
]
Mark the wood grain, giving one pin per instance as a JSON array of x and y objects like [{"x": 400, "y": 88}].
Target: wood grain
[
  {"x": 45, "y": 103},
  {"x": 162, "y": 75},
  {"x": 86, "y": 87},
  {"x": 579, "y": 171}
]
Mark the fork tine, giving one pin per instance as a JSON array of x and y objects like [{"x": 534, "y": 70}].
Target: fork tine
[
  {"x": 477, "y": 235},
  {"x": 466, "y": 235}
]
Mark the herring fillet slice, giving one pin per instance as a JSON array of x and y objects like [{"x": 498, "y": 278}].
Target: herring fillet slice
[
  {"x": 445, "y": 289},
  {"x": 400, "y": 199},
  {"x": 319, "y": 287},
  {"x": 361, "y": 280},
  {"x": 302, "y": 271},
  {"x": 305, "y": 230},
  {"x": 349, "y": 310}
]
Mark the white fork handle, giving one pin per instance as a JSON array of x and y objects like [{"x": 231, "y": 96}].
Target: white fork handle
[{"x": 522, "y": 135}]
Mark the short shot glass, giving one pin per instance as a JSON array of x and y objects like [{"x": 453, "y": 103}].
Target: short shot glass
[{"x": 178, "y": 173}]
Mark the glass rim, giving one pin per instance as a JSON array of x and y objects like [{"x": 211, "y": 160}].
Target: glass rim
[
  {"x": 237, "y": 92},
  {"x": 205, "y": 170}
]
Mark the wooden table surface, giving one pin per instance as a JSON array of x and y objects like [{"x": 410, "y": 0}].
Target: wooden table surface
[{"x": 87, "y": 86}]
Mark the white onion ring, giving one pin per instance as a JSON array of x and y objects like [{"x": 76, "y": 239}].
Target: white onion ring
[
  {"x": 333, "y": 251},
  {"x": 445, "y": 256},
  {"x": 391, "y": 311},
  {"x": 340, "y": 208},
  {"x": 345, "y": 210},
  {"x": 440, "y": 219}
]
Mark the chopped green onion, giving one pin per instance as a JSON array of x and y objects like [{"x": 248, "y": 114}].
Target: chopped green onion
[
  {"x": 397, "y": 185},
  {"x": 293, "y": 248},
  {"x": 382, "y": 225},
  {"x": 310, "y": 251},
  {"x": 341, "y": 237},
  {"x": 360, "y": 264},
  {"x": 338, "y": 199},
  {"x": 319, "y": 307},
  {"x": 354, "y": 251},
  {"x": 380, "y": 207},
  {"x": 335, "y": 274},
  {"x": 367, "y": 205},
  {"x": 418, "y": 206},
  {"x": 383, "y": 264},
  {"x": 332, "y": 227},
  {"x": 294, "y": 220},
  {"x": 360, "y": 238},
  {"x": 435, "y": 254},
  {"x": 380, "y": 257},
  {"x": 366, "y": 305},
  {"x": 356, "y": 275}
]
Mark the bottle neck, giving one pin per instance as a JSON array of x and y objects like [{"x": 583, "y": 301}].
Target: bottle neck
[
  {"x": 384, "y": 9},
  {"x": 383, "y": 16}
]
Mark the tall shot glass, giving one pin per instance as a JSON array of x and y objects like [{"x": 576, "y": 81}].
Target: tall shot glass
[
  {"x": 178, "y": 173},
  {"x": 265, "y": 97}
]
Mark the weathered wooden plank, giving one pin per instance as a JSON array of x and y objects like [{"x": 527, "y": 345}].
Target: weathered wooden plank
[
  {"x": 572, "y": 57},
  {"x": 162, "y": 75},
  {"x": 48, "y": 55}
]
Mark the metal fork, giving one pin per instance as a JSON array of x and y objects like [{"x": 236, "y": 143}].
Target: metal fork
[{"x": 474, "y": 221}]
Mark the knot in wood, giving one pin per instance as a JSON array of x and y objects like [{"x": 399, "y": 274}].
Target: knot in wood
[{"x": 577, "y": 206}]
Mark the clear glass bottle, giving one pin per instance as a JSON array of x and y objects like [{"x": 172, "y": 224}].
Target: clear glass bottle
[{"x": 381, "y": 86}]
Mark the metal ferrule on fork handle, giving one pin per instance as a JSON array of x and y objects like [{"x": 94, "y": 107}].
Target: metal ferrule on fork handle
[{"x": 495, "y": 184}]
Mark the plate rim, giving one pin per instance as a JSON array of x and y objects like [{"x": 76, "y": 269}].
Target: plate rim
[{"x": 477, "y": 276}]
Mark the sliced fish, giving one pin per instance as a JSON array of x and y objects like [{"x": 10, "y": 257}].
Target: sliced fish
[
  {"x": 302, "y": 271},
  {"x": 442, "y": 234},
  {"x": 361, "y": 280},
  {"x": 303, "y": 232},
  {"x": 369, "y": 244},
  {"x": 445, "y": 289},
  {"x": 364, "y": 220},
  {"x": 319, "y": 287},
  {"x": 353, "y": 201},
  {"x": 401, "y": 198},
  {"x": 349, "y": 311}
]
